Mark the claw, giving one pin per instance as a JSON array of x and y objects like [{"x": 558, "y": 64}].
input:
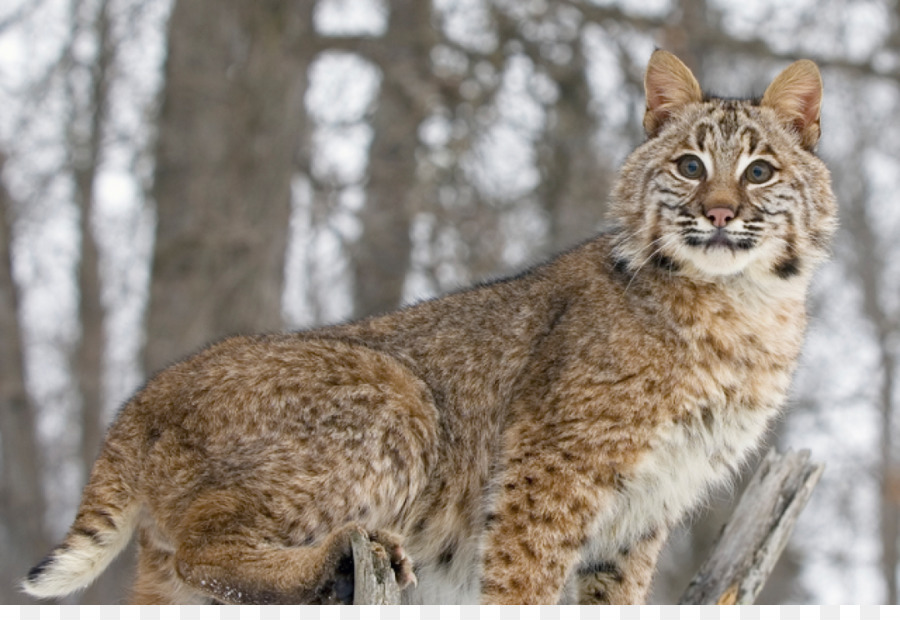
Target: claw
[{"x": 400, "y": 562}]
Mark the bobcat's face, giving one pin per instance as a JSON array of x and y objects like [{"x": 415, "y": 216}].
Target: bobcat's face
[
  {"x": 730, "y": 192},
  {"x": 727, "y": 187}
]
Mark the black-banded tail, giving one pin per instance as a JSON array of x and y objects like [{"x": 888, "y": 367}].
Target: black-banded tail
[{"x": 102, "y": 528}]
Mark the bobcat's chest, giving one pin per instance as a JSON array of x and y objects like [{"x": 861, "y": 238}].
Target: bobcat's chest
[{"x": 685, "y": 458}]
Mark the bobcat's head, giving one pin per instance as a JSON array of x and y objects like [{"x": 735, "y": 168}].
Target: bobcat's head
[{"x": 727, "y": 187}]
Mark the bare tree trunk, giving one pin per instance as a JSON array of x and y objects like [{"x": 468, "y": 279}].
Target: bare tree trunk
[
  {"x": 381, "y": 258},
  {"x": 229, "y": 128},
  {"x": 889, "y": 482},
  {"x": 575, "y": 187},
  {"x": 868, "y": 265},
  {"x": 22, "y": 505},
  {"x": 86, "y": 143},
  {"x": 85, "y": 155}
]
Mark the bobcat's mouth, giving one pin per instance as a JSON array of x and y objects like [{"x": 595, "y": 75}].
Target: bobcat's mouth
[
  {"x": 721, "y": 239},
  {"x": 719, "y": 252}
]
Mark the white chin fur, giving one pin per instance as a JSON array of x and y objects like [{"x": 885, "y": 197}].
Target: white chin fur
[{"x": 717, "y": 261}]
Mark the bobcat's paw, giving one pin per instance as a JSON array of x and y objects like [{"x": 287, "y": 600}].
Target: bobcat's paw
[
  {"x": 339, "y": 576},
  {"x": 401, "y": 563}
]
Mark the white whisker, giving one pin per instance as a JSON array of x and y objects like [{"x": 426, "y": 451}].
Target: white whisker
[{"x": 666, "y": 242}]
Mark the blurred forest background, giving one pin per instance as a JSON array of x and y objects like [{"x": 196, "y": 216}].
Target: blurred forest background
[{"x": 174, "y": 171}]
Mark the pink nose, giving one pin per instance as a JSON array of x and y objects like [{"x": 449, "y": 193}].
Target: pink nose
[{"x": 720, "y": 216}]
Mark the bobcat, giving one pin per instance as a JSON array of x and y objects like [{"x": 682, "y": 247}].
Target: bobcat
[{"x": 531, "y": 440}]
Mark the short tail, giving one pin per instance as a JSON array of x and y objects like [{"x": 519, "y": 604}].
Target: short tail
[{"x": 102, "y": 528}]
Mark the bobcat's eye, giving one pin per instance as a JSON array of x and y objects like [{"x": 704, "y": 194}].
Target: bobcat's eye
[
  {"x": 690, "y": 167},
  {"x": 759, "y": 171}
]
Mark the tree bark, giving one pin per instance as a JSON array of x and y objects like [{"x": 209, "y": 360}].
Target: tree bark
[
  {"x": 374, "y": 582},
  {"x": 868, "y": 266},
  {"x": 752, "y": 541},
  {"x": 574, "y": 185},
  {"x": 85, "y": 155},
  {"x": 86, "y": 138},
  {"x": 381, "y": 257},
  {"x": 228, "y": 131},
  {"x": 889, "y": 483},
  {"x": 22, "y": 504}
]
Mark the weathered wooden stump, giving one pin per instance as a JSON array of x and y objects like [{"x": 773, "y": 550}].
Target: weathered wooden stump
[
  {"x": 374, "y": 580},
  {"x": 751, "y": 542}
]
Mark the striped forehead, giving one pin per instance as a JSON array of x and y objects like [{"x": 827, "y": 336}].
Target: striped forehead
[{"x": 729, "y": 126}]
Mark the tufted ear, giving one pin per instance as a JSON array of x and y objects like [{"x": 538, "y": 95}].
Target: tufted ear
[
  {"x": 796, "y": 94},
  {"x": 668, "y": 84}
]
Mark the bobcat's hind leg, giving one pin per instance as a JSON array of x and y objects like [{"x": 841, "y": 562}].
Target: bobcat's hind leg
[
  {"x": 240, "y": 571},
  {"x": 156, "y": 582}
]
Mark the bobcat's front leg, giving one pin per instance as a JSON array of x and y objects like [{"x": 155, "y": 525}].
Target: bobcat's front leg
[
  {"x": 623, "y": 577},
  {"x": 546, "y": 502}
]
